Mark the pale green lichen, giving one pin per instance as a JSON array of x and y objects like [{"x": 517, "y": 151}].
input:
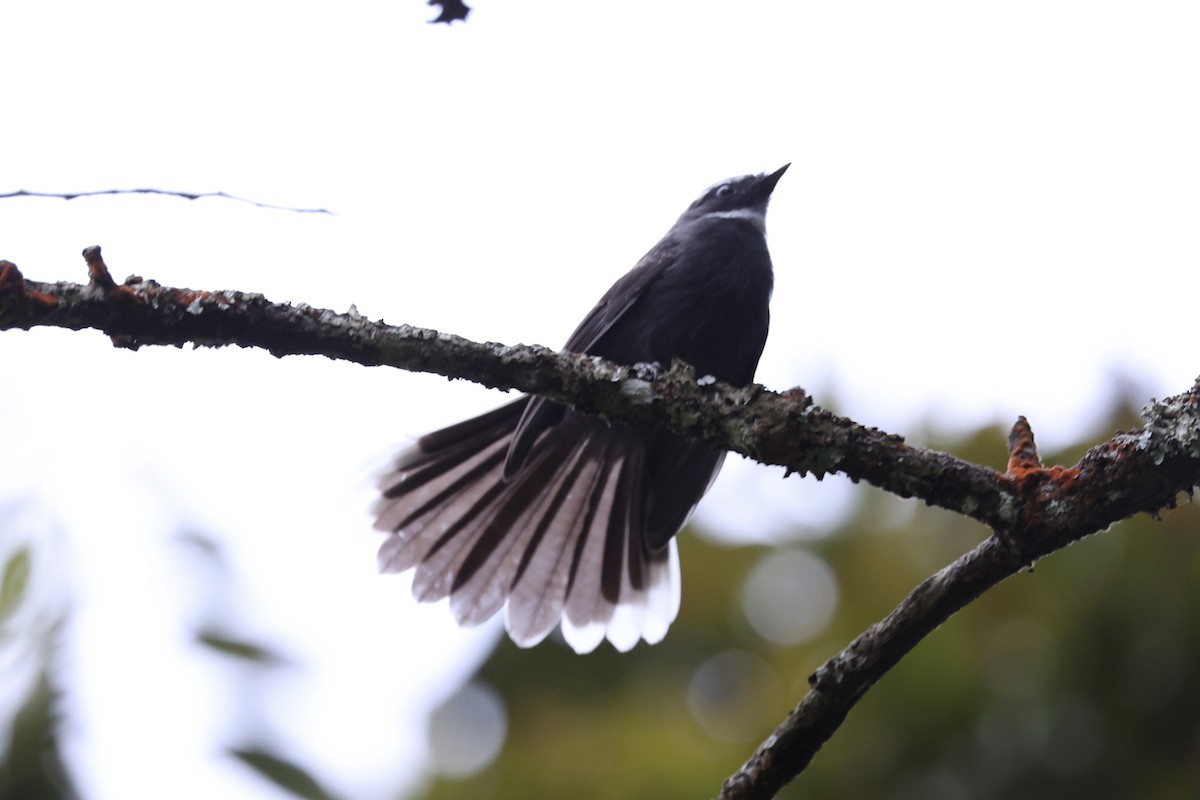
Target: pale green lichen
[
  {"x": 1006, "y": 510},
  {"x": 639, "y": 391},
  {"x": 1172, "y": 427}
]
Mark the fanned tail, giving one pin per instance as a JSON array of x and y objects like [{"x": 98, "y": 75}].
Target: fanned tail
[{"x": 561, "y": 540}]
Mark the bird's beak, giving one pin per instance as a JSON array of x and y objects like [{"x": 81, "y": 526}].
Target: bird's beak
[{"x": 766, "y": 183}]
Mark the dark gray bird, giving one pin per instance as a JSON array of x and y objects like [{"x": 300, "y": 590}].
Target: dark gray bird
[{"x": 556, "y": 515}]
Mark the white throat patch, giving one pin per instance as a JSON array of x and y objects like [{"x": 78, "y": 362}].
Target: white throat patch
[{"x": 754, "y": 216}]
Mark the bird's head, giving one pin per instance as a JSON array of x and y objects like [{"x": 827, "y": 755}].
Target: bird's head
[{"x": 737, "y": 198}]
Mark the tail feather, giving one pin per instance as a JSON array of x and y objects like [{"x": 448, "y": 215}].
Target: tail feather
[
  {"x": 562, "y": 539},
  {"x": 421, "y": 519},
  {"x": 492, "y": 567},
  {"x": 662, "y": 593},
  {"x": 590, "y": 605},
  {"x": 548, "y": 580}
]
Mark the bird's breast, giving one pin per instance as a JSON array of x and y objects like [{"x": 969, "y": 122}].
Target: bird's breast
[{"x": 709, "y": 307}]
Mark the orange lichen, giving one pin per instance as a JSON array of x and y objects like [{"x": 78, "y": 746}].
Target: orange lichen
[
  {"x": 186, "y": 297},
  {"x": 13, "y": 282},
  {"x": 1063, "y": 477},
  {"x": 1025, "y": 465},
  {"x": 41, "y": 297},
  {"x": 1023, "y": 456},
  {"x": 11, "y": 278}
]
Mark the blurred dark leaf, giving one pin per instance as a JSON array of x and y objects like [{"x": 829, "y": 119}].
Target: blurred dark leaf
[
  {"x": 283, "y": 773},
  {"x": 239, "y": 648},
  {"x": 202, "y": 543},
  {"x": 32, "y": 767},
  {"x": 13, "y": 583}
]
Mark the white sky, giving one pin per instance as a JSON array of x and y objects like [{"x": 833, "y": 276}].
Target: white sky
[{"x": 991, "y": 208}]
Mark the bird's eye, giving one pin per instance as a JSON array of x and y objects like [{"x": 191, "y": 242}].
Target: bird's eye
[{"x": 724, "y": 190}]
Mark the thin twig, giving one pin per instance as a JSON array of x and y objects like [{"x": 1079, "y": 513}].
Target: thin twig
[{"x": 168, "y": 193}]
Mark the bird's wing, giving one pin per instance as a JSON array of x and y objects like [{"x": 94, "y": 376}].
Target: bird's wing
[
  {"x": 622, "y": 295},
  {"x": 540, "y": 415}
]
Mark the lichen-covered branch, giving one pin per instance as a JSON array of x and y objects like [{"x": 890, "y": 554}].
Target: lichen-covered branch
[
  {"x": 1052, "y": 507},
  {"x": 783, "y": 428},
  {"x": 1032, "y": 509}
]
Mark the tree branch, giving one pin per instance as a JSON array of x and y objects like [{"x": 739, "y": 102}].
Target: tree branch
[
  {"x": 1048, "y": 519},
  {"x": 1033, "y": 510},
  {"x": 770, "y": 427}
]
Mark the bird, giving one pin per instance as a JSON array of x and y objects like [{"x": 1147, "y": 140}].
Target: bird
[{"x": 555, "y": 516}]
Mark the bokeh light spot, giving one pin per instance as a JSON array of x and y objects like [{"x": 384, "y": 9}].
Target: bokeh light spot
[
  {"x": 467, "y": 731},
  {"x": 790, "y": 597},
  {"x": 735, "y": 695}
]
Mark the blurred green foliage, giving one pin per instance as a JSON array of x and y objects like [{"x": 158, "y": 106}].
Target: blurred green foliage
[
  {"x": 285, "y": 774},
  {"x": 14, "y": 580},
  {"x": 31, "y": 764},
  {"x": 32, "y": 767},
  {"x": 1075, "y": 679}
]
